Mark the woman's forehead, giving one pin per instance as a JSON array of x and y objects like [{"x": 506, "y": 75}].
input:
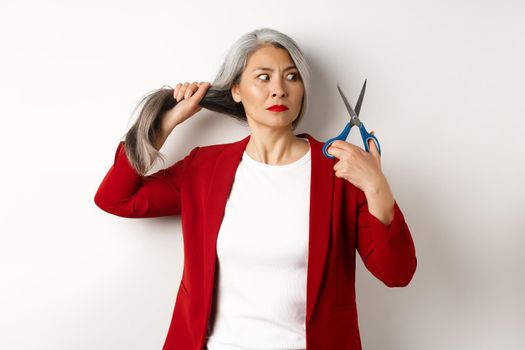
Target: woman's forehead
[{"x": 269, "y": 58}]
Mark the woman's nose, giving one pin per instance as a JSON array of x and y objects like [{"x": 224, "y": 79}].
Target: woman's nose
[
  {"x": 278, "y": 88},
  {"x": 279, "y": 94}
]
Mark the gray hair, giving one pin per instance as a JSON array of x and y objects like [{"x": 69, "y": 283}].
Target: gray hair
[{"x": 140, "y": 138}]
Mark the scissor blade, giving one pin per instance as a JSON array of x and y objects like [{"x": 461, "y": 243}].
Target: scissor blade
[
  {"x": 360, "y": 100},
  {"x": 348, "y": 107}
]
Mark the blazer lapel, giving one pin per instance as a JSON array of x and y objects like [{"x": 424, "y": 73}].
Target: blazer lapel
[{"x": 321, "y": 188}]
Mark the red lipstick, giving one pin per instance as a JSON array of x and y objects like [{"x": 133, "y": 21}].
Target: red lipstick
[{"x": 277, "y": 108}]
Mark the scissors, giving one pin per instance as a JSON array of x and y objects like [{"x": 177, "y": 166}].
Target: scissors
[{"x": 354, "y": 120}]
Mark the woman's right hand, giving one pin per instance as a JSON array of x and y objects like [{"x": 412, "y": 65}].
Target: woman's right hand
[{"x": 188, "y": 97}]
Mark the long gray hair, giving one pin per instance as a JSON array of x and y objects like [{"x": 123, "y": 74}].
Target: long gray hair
[{"x": 140, "y": 138}]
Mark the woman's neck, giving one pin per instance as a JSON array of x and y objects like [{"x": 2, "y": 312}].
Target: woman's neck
[{"x": 276, "y": 148}]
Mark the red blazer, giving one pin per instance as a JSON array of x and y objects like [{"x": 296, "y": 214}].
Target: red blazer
[{"x": 197, "y": 188}]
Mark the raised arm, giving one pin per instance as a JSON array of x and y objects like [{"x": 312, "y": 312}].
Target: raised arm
[
  {"x": 124, "y": 192},
  {"x": 387, "y": 251}
]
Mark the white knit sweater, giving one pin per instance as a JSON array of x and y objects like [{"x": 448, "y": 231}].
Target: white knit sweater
[{"x": 262, "y": 250}]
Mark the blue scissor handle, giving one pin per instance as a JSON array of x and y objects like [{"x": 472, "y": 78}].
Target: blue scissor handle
[
  {"x": 344, "y": 134},
  {"x": 367, "y": 136}
]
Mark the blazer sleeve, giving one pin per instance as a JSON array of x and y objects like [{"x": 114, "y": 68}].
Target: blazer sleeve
[
  {"x": 387, "y": 251},
  {"x": 126, "y": 193}
]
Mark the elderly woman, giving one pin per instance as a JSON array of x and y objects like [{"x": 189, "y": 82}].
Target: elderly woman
[{"x": 270, "y": 225}]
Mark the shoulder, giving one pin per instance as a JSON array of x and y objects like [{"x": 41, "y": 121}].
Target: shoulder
[
  {"x": 203, "y": 158},
  {"x": 214, "y": 150}
]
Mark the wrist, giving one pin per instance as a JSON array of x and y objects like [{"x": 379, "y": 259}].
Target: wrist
[{"x": 378, "y": 188}]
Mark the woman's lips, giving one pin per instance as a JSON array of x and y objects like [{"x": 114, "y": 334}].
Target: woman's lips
[{"x": 277, "y": 108}]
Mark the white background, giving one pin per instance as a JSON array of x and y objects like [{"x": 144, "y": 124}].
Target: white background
[{"x": 445, "y": 97}]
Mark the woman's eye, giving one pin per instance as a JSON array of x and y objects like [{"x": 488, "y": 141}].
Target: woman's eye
[{"x": 294, "y": 74}]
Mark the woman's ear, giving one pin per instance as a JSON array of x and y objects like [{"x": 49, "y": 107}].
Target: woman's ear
[{"x": 235, "y": 93}]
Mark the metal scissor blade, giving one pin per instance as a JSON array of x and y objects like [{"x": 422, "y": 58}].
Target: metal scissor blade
[
  {"x": 360, "y": 99},
  {"x": 348, "y": 107}
]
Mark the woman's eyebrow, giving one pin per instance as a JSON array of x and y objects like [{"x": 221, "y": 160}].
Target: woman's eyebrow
[{"x": 271, "y": 70}]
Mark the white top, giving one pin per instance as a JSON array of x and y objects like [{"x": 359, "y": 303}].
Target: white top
[{"x": 262, "y": 251}]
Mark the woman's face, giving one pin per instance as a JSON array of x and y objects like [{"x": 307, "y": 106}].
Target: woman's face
[{"x": 276, "y": 84}]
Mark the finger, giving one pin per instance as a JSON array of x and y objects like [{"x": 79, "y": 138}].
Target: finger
[
  {"x": 190, "y": 90},
  {"x": 334, "y": 151},
  {"x": 176, "y": 91},
  {"x": 345, "y": 145},
  {"x": 339, "y": 144},
  {"x": 201, "y": 91},
  {"x": 373, "y": 148},
  {"x": 371, "y": 145},
  {"x": 182, "y": 90}
]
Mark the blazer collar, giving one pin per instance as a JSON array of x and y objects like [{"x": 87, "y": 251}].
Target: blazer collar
[{"x": 321, "y": 190}]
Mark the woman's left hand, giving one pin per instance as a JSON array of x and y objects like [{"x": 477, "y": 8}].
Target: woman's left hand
[{"x": 361, "y": 168}]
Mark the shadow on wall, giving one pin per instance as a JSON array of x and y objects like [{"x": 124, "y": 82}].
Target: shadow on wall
[{"x": 438, "y": 289}]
